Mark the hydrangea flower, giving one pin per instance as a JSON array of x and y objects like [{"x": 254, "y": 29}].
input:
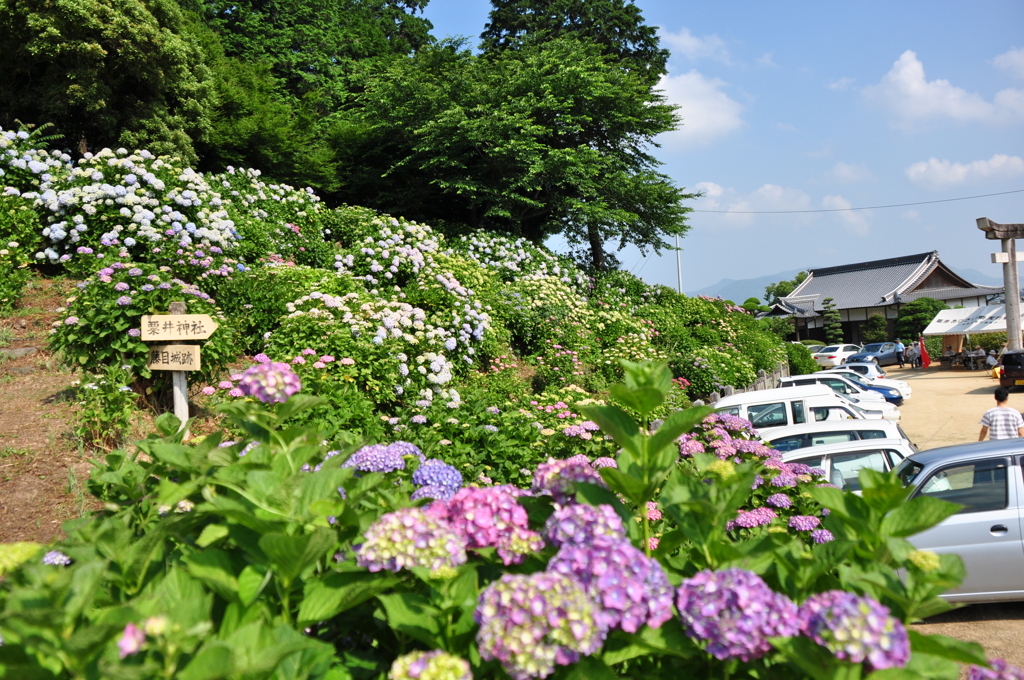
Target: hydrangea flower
[
  {"x": 270, "y": 382},
  {"x": 603, "y": 462},
  {"x": 530, "y": 623},
  {"x": 56, "y": 558},
  {"x": 822, "y": 536},
  {"x": 779, "y": 500},
  {"x": 382, "y": 457},
  {"x": 629, "y": 588},
  {"x": 748, "y": 519},
  {"x": 131, "y": 641},
  {"x": 491, "y": 517},
  {"x": 804, "y": 522},
  {"x": 437, "y": 473},
  {"x": 582, "y": 524},
  {"x": 409, "y": 538},
  {"x": 856, "y": 629},
  {"x": 735, "y": 612},
  {"x": 1000, "y": 671},
  {"x": 435, "y": 665},
  {"x": 558, "y": 478}
]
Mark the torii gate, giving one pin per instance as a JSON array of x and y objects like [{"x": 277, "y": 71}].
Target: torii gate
[{"x": 1007, "y": 233}]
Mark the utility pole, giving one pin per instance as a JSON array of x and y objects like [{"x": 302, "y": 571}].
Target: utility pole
[
  {"x": 1007, "y": 233},
  {"x": 679, "y": 268}
]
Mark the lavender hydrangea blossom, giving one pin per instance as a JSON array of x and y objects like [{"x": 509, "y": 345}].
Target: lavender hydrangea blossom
[
  {"x": 409, "y": 538},
  {"x": 735, "y": 612},
  {"x": 581, "y": 524},
  {"x": 530, "y": 623},
  {"x": 382, "y": 457},
  {"x": 56, "y": 558},
  {"x": 435, "y": 665},
  {"x": 270, "y": 382},
  {"x": 558, "y": 478},
  {"x": 1000, "y": 671},
  {"x": 629, "y": 588},
  {"x": 856, "y": 629},
  {"x": 436, "y": 473}
]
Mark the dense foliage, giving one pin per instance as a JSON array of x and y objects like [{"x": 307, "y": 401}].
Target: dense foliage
[
  {"x": 875, "y": 329},
  {"x": 915, "y": 316}
]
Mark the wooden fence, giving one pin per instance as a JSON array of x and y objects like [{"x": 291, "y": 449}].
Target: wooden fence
[{"x": 765, "y": 381}]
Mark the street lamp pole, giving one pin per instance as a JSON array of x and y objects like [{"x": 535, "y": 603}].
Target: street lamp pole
[{"x": 679, "y": 268}]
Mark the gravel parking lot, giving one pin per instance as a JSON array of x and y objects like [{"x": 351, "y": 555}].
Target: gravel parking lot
[{"x": 945, "y": 409}]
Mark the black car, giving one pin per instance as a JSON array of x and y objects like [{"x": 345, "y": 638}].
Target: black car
[{"x": 1012, "y": 374}]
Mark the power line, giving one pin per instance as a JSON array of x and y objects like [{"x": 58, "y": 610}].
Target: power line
[{"x": 869, "y": 207}]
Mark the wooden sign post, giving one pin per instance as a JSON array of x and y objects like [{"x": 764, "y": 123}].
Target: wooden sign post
[{"x": 178, "y": 359}]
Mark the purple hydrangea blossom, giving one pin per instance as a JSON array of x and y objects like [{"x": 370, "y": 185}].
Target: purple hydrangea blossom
[
  {"x": 779, "y": 500},
  {"x": 491, "y": 517},
  {"x": 804, "y": 522},
  {"x": 409, "y": 538},
  {"x": 419, "y": 419},
  {"x": 784, "y": 480},
  {"x": 382, "y": 457},
  {"x": 822, "y": 536},
  {"x": 270, "y": 383},
  {"x": 124, "y": 301},
  {"x": 603, "y": 462},
  {"x": 630, "y": 589},
  {"x": 435, "y": 665},
  {"x": 558, "y": 478},
  {"x": 134, "y": 332},
  {"x": 56, "y": 558},
  {"x": 856, "y": 629},
  {"x": 121, "y": 286},
  {"x": 581, "y": 524},
  {"x": 1000, "y": 671},
  {"x": 436, "y": 473},
  {"x": 735, "y": 612},
  {"x": 530, "y": 623},
  {"x": 748, "y": 519}
]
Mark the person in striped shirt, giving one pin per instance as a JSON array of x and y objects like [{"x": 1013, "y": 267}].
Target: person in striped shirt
[{"x": 1001, "y": 422}]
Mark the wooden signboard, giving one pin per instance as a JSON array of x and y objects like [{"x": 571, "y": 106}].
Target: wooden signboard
[
  {"x": 173, "y": 358},
  {"x": 167, "y": 327}
]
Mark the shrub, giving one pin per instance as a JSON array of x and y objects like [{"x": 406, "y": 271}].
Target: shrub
[
  {"x": 19, "y": 234},
  {"x": 801, "y": 361}
]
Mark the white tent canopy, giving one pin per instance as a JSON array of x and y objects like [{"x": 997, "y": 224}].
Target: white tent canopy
[{"x": 969, "y": 320}]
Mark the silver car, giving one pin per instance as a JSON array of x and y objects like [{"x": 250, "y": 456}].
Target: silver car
[
  {"x": 842, "y": 462},
  {"x": 985, "y": 478}
]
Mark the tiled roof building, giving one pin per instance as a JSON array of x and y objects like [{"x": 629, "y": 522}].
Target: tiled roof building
[{"x": 865, "y": 289}]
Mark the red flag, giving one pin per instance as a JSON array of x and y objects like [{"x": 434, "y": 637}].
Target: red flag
[{"x": 926, "y": 360}]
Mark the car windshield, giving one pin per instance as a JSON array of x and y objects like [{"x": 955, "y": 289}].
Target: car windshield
[
  {"x": 855, "y": 379},
  {"x": 833, "y": 348},
  {"x": 873, "y": 347},
  {"x": 907, "y": 471}
]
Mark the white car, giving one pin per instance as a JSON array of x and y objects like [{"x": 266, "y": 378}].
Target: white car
[
  {"x": 874, "y": 409},
  {"x": 840, "y": 384},
  {"x": 843, "y": 462},
  {"x": 806, "y": 435},
  {"x": 834, "y": 355},
  {"x": 904, "y": 388}
]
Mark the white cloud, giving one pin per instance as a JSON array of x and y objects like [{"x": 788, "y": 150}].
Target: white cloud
[
  {"x": 938, "y": 174},
  {"x": 847, "y": 173},
  {"x": 694, "y": 47},
  {"x": 786, "y": 126},
  {"x": 766, "y": 60},
  {"x": 736, "y": 206},
  {"x": 841, "y": 85},
  {"x": 912, "y": 215},
  {"x": 911, "y": 98},
  {"x": 707, "y": 112},
  {"x": 856, "y": 221},
  {"x": 1012, "y": 61}
]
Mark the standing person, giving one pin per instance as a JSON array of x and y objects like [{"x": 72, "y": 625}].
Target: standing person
[
  {"x": 1001, "y": 422},
  {"x": 900, "y": 351},
  {"x": 912, "y": 355}
]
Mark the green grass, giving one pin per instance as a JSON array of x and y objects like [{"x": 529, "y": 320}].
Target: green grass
[
  {"x": 6, "y": 336},
  {"x": 7, "y": 451}
]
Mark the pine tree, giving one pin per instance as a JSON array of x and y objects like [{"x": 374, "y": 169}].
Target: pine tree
[{"x": 833, "y": 322}]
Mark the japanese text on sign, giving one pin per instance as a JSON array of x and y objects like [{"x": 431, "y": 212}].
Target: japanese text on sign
[
  {"x": 174, "y": 358},
  {"x": 177, "y": 327}
]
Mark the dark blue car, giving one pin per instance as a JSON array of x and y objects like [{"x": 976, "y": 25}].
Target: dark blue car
[{"x": 882, "y": 353}]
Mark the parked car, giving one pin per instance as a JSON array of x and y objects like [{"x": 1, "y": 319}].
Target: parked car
[
  {"x": 868, "y": 369},
  {"x": 1013, "y": 368},
  {"x": 851, "y": 387},
  {"x": 843, "y": 462},
  {"x": 834, "y": 355},
  {"x": 985, "y": 478},
  {"x": 790, "y": 406},
  {"x": 813, "y": 348},
  {"x": 873, "y": 409},
  {"x": 795, "y": 437},
  {"x": 882, "y": 353},
  {"x": 882, "y": 385}
]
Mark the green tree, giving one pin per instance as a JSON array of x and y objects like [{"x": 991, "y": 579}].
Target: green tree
[
  {"x": 506, "y": 144},
  {"x": 916, "y": 315},
  {"x": 875, "y": 329},
  {"x": 833, "y": 322},
  {"x": 106, "y": 72},
  {"x": 774, "y": 291},
  {"x": 616, "y": 26}
]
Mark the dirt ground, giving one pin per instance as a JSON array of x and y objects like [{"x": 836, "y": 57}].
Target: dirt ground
[{"x": 946, "y": 409}]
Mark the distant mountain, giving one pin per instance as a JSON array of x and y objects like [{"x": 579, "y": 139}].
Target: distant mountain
[
  {"x": 974, "y": 276},
  {"x": 740, "y": 290}
]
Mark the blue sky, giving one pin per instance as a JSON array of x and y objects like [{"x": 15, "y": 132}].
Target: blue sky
[{"x": 810, "y": 105}]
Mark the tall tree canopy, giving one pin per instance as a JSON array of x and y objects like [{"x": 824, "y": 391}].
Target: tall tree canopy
[
  {"x": 774, "y": 291},
  {"x": 105, "y": 72},
  {"x": 617, "y": 26},
  {"x": 547, "y": 139},
  {"x": 915, "y": 316}
]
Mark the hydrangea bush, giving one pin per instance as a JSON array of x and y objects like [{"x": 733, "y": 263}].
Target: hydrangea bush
[{"x": 278, "y": 554}]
